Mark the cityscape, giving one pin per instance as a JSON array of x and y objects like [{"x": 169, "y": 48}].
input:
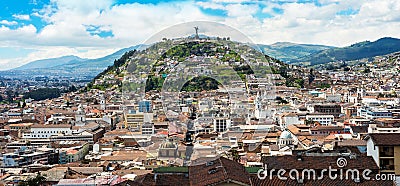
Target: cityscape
[{"x": 202, "y": 101}]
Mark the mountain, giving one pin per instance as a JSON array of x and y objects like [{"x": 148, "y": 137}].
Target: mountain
[
  {"x": 230, "y": 53},
  {"x": 288, "y": 52},
  {"x": 72, "y": 66},
  {"x": 356, "y": 51},
  {"x": 48, "y": 63},
  {"x": 92, "y": 66}
]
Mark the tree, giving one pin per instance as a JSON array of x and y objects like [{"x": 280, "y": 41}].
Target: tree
[
  {"x": 35, "y": 181},
  {"x": 72, "y": 89},
  {"x": 309, "y": 122},
  {"x": 43, "y": 93},
  {"x": 367, "y": 70}
]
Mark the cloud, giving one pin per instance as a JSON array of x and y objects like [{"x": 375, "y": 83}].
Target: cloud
[
  {"x": 54, "y": 52},
  {"x": 72, "y": 25},
  {"x": 210, "y": 5},
  {"x": 17, "y": 37},
  {"x": 8, "y": 23},
  {"x": 21, "y": 17}
]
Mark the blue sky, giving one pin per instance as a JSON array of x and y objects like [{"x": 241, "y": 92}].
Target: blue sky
[{"x": 39, "y": 29}]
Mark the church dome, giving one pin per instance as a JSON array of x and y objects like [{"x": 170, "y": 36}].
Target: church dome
[{"x": 286, "y": 135}]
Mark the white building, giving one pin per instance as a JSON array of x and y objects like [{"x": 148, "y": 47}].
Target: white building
[
  {"x": 323, "y": 119},
  {"x": 289, "y": 119},
  {"x": 221, "y": 124},
  {"x": 45, "y": 131},
  {"x": 384, "y": 149},
  {"x": 373, "y": 113},
  {"x": 333, "y": 98},
  {"x": 80, "y": 117},
  {"x": 147, "y": 128},
  {"x": 373, "y": 128}
]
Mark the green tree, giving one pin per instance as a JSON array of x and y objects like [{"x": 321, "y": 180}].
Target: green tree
[
  {"x": 43, "y": 93},
  {"x": 35, "y": 181},
  {"x": 367, "y": 70}
]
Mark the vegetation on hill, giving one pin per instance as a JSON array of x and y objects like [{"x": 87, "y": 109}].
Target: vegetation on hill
[
  {"x": 288, "y": 52},
  {"x": 163, "y": 65},
  {"x": 43, "y": 93},
  {"x": 112, "y": 69},
  {"x": 200, "y": 83},
  {"x": 180, "y": 52}
]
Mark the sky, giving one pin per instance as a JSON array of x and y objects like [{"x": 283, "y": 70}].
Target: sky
[{"x": 39, "y": 29}]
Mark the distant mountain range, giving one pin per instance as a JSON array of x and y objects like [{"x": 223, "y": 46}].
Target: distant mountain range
[
  {"x": 71, "y": 66},
  {"x": 356, "y": 51},
  {"x": 74, "y": 66},
  {"x": 49, "y": 63},
  {"x": 289, "y": 52}
]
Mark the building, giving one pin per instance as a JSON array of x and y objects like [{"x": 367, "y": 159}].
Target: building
[
  {"x": 73, "y": 154},
  {"x": 25, "y": 156},
  {"x": 208, "y": 171},
  {"x": 289, "y": 119},
  {"x": 385, "y": 150},
  {"x": 46, "y": 131},
  {"x": 220, "y": 171},
  {"x": 285, "y": 139},
  {"x": 322, "y": 119},
  {"x": 370, "y": 113},
  {"x": 144, "y": 106},
  {"x": 168, "y": 151},
  {"x": 374, "y": 128},
  {"x": 21, "y": 126},
  {"x": 134, "y": 121},
  {"x": 80, "y": 117},
  {"x": 330, "y": 109},
  {"x": 221, "y": 124},
  {"x": 148, "y": 128}
]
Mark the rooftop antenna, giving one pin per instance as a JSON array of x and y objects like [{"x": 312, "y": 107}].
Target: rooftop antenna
[{"x": 196, "y": 28}]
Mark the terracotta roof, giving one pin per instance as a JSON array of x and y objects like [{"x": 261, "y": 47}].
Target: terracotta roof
[
  {"x": 359, "y": 129},
  {"x": 218, "y": 171},
  {"x": 325, "y": 181},
  {"x": 125, "y": 156},
  {"x": 21, "y": 124},
  {"x": 354, "y": 142},
  {"x": 52, "y": 126},
  {"x": 389, "y": 139},
  {"x": 317, "y": 162},
  {"x": 321, "y": 127},
  {"x": 159, "y": 179}
]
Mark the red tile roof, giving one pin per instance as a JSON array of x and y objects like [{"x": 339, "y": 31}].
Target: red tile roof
[
  {"x": 317, "y": 162},
  {"x": 218, "y": 171},
  {"x": 385, "y": 139},
  {"x": 325, "y": 181}
]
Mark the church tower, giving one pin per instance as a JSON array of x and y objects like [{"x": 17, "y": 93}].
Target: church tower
[
  {"x": 103, "y": 103},
  {"x": 80, "y": 116}
]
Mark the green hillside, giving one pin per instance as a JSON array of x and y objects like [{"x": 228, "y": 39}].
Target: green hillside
[{"x": 356, "y": 51}]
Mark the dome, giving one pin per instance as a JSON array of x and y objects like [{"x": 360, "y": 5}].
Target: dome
[
  {"x": 285, "y": 135},
  {"x": 168, "y": 145}
]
